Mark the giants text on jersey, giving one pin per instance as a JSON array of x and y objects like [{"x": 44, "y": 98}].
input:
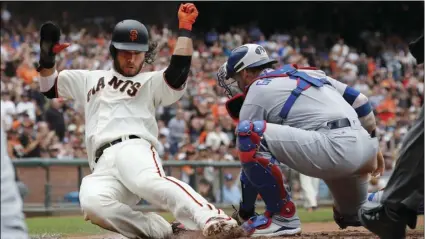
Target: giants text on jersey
[{"x": 117, "y": 106}]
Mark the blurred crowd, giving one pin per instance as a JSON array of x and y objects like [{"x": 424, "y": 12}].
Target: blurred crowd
[{"x": 197, "y": 127}]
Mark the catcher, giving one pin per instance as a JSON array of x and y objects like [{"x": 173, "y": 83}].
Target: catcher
[{"x": 306, "y": 120}]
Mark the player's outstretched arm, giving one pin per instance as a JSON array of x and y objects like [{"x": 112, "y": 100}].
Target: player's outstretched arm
[
  {"x": 177, "y": 72},
  {"x": 71, "y": 82},
  {"x": 170, "y": 88}
]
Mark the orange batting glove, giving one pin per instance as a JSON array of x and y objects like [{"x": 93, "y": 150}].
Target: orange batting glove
[
  {"x": 60, "y": 47},
  {"x": 187, "y": 16}
]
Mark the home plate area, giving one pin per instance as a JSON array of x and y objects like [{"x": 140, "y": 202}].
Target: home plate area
[{"x": 310, "y": 230}]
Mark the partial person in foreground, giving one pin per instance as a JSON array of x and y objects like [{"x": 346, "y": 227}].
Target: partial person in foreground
[
  {"x": 306, "y": 120},
  {"x": 122, "y": 132},
  {"x": 403, "y": 197},
  {"x": 12, "y": 217}
]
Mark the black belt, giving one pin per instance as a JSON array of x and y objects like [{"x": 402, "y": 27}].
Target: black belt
[
  {"x": 340, "y": 123},
  {"x": 100, "y": 150}
]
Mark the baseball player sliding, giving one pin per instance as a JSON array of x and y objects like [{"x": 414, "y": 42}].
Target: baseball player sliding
[
  {"x": 121, "y": 132},
  {"x": 305, "y": 120}
]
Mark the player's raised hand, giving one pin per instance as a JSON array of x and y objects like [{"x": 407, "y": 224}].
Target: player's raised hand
[
  {"x": 187, "y": 16},
  {"x": 49, "y": 45}
]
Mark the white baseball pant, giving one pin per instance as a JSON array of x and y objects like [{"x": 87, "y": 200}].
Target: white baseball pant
[
  {"x": 332, "y": 155},
  {"x": 310, "y": 187},
  {"x": 129, "y": 171}
]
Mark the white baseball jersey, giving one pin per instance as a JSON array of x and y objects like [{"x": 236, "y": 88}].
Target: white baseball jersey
[{"x": 115, "y": 105}]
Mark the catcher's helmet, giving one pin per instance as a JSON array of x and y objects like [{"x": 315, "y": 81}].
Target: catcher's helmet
[
  {"x": 129, "y": 35},
  {"x": 247, "y": 56},
  {"x": 243, "y": 57}
]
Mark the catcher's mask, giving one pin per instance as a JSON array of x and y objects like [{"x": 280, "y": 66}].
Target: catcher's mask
[
  {"x": 243, "y": 57},
  {"x": 229, "y": 85}
]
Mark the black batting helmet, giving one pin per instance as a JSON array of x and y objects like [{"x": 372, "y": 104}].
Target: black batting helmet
[{"x": 129, "y": 35}]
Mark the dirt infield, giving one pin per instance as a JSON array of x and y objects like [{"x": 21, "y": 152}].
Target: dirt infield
[
  {"x": 321, "y": 230},
  {"x": 310, "y": 230}
]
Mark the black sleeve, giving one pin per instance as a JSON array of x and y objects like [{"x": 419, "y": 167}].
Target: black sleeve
[
  {"x": 177, "y": 72},
  {"x": 51, "y": 94}
]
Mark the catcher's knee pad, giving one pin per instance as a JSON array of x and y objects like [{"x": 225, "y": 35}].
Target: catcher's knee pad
[{"x": 249, "y": 137}]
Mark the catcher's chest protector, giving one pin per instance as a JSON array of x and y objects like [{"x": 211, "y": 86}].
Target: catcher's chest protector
[{"x": 304, "y": 81}]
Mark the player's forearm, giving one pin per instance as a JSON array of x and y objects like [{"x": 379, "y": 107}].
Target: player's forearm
[
  {"x": 365, "y": 114},
  {"x": 184, "y": 46},
  {"x": 368, "y": 122},
  {"x": 178, "y": 70},
  {"x": 45, "y": 72},
  {"x": 362, "y": 106},
  {"x": 48, "y": 80}
]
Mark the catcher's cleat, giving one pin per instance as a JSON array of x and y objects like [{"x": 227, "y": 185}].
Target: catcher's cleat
[
  {"x": 346, "y": 221},
  {"x": 275, "y": 226}
]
